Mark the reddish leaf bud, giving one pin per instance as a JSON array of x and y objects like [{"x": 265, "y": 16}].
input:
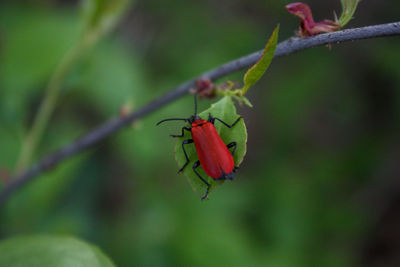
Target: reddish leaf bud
[
  {"x": 205, "y": 88},
  {"x": 308, "y": 26}
]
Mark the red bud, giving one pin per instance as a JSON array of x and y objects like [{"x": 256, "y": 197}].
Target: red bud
[{"x": 308, "y": 26}]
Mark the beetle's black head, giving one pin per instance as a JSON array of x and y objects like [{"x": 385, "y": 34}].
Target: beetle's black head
[{"x": 193, "y": 119}]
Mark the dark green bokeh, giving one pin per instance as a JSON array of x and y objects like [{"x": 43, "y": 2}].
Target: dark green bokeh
[{"x": 318, "y": 181}]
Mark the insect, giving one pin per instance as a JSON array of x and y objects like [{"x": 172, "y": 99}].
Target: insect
[{"x": 214, "y": 156}]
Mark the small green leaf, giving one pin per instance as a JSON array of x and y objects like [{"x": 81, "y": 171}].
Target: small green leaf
[
  {"x": 348, "y": 9},
  {"x": 257, "y": 70},
  {"x": 225, "y": 110},
  {"x": 243, "y": 99},
  {"x": 54, "y": 251}
]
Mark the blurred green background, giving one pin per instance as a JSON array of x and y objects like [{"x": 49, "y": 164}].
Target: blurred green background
[{"x": 319, "y": 185}]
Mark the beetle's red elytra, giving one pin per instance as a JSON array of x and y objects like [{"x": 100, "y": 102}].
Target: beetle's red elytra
[{"x": 214, "y": 156}]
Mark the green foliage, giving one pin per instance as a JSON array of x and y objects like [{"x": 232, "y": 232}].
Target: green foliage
[
  {"x": 348, "y": 9},
  {"x": 25, "y": 68},
  {"x": 41, "y": 250},
  {"x": 101, "y": 16},
  {"x": 54, "y": 33},
  {"x": 225, "y": 110},
  {"x": 258, "y": 69}
]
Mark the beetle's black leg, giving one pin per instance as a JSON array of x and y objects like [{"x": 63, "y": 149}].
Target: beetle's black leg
[
  {"x": 234, "y": 145},
  {"x": 211, "y": 119},
  {"x": 195, "y": 165},
  {"x": 187, "y": 141},
  {"x": 182, "y": 134}
]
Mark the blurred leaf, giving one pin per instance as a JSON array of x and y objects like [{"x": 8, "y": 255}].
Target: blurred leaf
[
  {"x": 50, "y": 251},
  {"x": 34, "y": 41},
  {"x": 225, "y": 110},
  {"x": 348, "y": 9},
  {"x": 101, "y": 16},
  {"x": 257, "y": 70},
  {"x": 110, "y": 76}
]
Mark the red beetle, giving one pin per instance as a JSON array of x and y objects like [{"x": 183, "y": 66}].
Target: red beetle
[{"x": 214, "y": 156}]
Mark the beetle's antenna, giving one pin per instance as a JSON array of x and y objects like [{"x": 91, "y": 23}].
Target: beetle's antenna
[
  {"x": 195, "y": 104},
  {"x": 172, "y": 119}
]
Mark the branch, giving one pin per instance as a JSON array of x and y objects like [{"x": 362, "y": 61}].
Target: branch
[{"x": 287, "y": 47}]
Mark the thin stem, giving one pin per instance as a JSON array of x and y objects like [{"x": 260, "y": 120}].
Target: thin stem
[
  {"x": 47, "y": 106},
  {"x": 110, "y": 127}
]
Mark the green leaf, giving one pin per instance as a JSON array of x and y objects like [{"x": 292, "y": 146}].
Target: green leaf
[
  {"x": 225, "y": 110},
  {"x": 243, "y": 99},
  {"x": 54, "y": 251},
  {"x": 257, "y": 70},
  {"x": 348, "y": 9}
]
